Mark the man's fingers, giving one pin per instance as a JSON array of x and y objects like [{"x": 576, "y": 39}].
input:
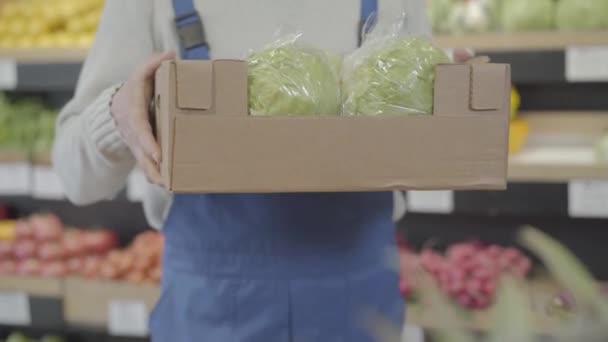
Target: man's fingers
[
  {"x": 150, "y": 67},
  {"x": 462, "y": 55},
  {"x": 144, "y": 137},
  {"x": 149, "y": 168}
]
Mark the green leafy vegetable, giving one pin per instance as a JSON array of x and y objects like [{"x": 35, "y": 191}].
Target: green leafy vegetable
[
  {"x": 290, "y": 78},
  {"x": 527, "y": 15},
  {"x": 582, "y": 15},
  {"x": 395, "y": 76}
]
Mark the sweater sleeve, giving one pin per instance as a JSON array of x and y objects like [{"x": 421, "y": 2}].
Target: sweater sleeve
[{"x": 89, "y": 154}]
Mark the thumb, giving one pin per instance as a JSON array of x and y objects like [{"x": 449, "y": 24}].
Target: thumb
[{"x": 153, "y": 63}]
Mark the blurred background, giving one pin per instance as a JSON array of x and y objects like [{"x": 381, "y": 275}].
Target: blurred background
[{"x": 91, "y": 273}]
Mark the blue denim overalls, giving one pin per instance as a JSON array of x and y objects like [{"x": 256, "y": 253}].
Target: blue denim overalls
[{"x": 274, "y": 267}]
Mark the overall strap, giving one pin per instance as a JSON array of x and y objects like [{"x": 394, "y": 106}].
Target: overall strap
[
  {"x": 190, "y": 30},
  {"x": 368, "y": 7}
]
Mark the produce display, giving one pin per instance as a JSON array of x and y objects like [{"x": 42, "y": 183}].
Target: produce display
[
  {"x": 19, "y": 337},
  {"x": 479, "y": 16},
  {"x": 288, "y": 77},
  {"x": 48, "y": 24},
  {"x": 26, "y": 125},
  {"x": 582, "y": 15},
  {"x": 525, "y": 15},
  {"x": 393, "y": 76},
  {"x": 139, "y": 263},
  {"x": 467, "y": 272},
  {"x": 41, "y": 246}
]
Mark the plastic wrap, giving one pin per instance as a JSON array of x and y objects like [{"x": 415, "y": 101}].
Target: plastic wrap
[
  {"x": 392, "y": 73},
  {"x": 582, "y": 15},
  {"x": 527, "y": 15},
  {"x": 289, "y": 77}
]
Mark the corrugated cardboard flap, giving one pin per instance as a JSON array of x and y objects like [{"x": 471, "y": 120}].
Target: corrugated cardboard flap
[
  {"x": 194, "y": 84},
  {"x": 487, "y": 86}
]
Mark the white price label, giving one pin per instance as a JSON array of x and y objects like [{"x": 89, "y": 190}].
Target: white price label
[
  {"x": 412, "y": 333},
  {"x": 432, "y": 202},
  {"x": 46, "y": 183},
  {"x": 587, "y": 64},
  {"x": 588, "y": 199},
  {"x": 15, "y": 179},
  {"x": 15, "y": 308},
  {"x": 127, "y": 318},
  {"x": 136, "y": 186},
  {"x": 8, "y": 74}
]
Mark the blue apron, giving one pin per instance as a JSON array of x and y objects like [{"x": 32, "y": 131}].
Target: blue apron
[{"x": 298, "y": 267}]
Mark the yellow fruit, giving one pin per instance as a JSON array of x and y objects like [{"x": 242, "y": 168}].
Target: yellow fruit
[
  {"x": 518, "y": 133},
  {"x": 515, "y": 103},
  {"x": 76, "y": 25},
  {"x": 45, "y": 41},
  {"x": 37, "y": 27},
  {"x": 85, "y": 40},
  {"x": 7, "y": 230},
  {"x": 26, "y": 42}
]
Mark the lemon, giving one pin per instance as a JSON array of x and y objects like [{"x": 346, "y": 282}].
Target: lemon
[{"x": 515, "y": 102}]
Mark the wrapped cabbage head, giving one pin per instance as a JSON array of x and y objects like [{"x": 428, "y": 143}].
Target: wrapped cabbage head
[
  {"x": 397, "y": 77},
  {"x": 528, "y": 15},
  {"x": 438, "y": 13},
  {"x": 474, "y": 16},
  {"x": 582, "y": 15},
  {"x": 294, "y": 79}
]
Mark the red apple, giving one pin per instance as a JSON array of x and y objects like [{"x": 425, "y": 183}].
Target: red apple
[
  {"x": 28, "y": 267},
  {"x": 90, "y": 266},
  {"x": 6, "y": 249},
  {"x": 73, "y": 243},
  {"x": 47, "y": 227},
  {"x": 24, "y": 249},
  {"x": 23, "y": 230},
  {"x": 7, "y": 267},
  {"x": 51, "y": 251},
  {"x": 99, "y": 241},
  {"x": 53, "y": 269},
  {"x": 74, "y": 265}
]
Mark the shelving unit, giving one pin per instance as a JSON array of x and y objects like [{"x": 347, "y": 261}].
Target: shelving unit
[{"x": 541, "y": 175}]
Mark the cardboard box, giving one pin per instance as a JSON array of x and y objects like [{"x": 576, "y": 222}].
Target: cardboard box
[{"x": 210, "y": 143}]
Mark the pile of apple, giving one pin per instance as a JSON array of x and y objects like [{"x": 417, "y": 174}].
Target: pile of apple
[
  {"x": 41, "y": 246},
  {"x": 467, "y": 272},
  {"x": 139, "y": 263}
]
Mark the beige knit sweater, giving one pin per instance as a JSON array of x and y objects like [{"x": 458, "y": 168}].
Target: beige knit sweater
[{"x": 90, "y": 156}]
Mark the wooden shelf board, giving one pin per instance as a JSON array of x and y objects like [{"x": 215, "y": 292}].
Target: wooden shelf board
[{"x": 523, "y": 41}]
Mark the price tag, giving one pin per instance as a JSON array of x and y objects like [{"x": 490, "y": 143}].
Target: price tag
[
  {"x": 412, "y": 333},
  {"x": 588, "y": 199},
  {"x": 127, "y": 318},
  {"x": 15, "y": 309},
  {"x": 587, "y": 64},
  {"x": 46, "y": 183},
  {"x": 432, "y": 202},
  {"x": 136, "y": 186},
  {"x": 15, "y": 179},
  {"x": 8, "y": 74}
]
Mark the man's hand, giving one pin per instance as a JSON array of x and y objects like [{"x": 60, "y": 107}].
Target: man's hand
[
  {"x": 130, "y": 109},
  {"x": 461, "y": 55}
]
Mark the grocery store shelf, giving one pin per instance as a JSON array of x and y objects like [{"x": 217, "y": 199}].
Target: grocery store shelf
[
  {"x": 44, "y": 56},
  {"x": 560, "y": 148},
  {"x": 47, "y": 287},
  {"x": 531, "y": 41},
  {"x": 40, "y": 70}
]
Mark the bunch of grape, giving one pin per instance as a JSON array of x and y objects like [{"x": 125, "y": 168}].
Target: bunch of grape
[{"x": 469, "y": 272}]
